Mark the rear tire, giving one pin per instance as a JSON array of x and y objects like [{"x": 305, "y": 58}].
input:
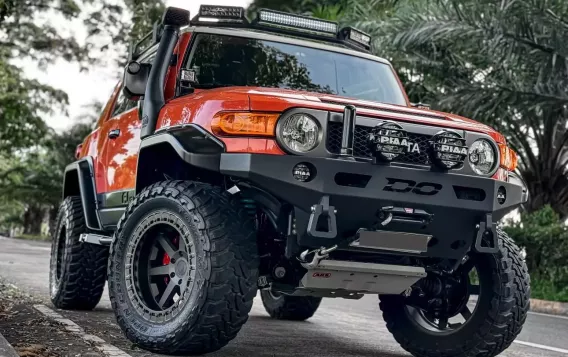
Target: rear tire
[
  {"x": 214, "y": 237},
  {"x": 498, "y": 318},
  {"x": 77, "y": 270},
  {"x": 284, "y": 307}
]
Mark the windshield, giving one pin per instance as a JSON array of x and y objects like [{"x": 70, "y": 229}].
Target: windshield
[{"x": 219, "y": 61}]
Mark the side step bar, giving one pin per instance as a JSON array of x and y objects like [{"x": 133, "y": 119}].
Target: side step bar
[
  {"x": 95, "y": 239},
  {"x": 336, "y": 278}
]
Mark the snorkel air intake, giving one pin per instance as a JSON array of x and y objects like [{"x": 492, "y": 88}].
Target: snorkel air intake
[{"x": 154, "y": 100}]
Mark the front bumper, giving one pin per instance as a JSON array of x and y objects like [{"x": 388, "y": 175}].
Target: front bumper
[{"x": 360, "y": 190}]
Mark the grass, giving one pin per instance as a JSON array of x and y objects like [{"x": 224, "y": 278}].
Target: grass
[
  {"x": 33, "y": 237},
  {"x": 546, "y": 290}
]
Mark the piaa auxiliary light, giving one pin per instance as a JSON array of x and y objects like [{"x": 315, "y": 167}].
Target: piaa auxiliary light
[
  {"x": 448, "y": 150},
  {"x": 388, "y": 141}
]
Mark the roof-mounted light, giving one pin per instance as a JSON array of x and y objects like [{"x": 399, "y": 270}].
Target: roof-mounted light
[
  {"x": 296, "y": 22},
  {"x": 220, "y": 14},
  {"x": 355, "y": 36}
]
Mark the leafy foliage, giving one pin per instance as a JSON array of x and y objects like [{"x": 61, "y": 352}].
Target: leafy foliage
[
  {"x": 503, "y": 63},
  {"x": 545, "y": 239}
]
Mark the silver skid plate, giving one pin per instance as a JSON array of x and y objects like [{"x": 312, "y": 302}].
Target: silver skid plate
[
  {"x": 342, "y": 278},
  {"x": 393, "y": 241}
]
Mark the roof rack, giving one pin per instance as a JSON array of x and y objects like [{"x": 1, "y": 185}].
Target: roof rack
[
  {"x": 148, "y": 41},
  {"x": 266, "y": 20}
]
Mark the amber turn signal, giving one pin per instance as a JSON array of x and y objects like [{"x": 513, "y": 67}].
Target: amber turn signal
[
  {"x": 508, "y": 157},
  {"x": 244, "y": 124}
]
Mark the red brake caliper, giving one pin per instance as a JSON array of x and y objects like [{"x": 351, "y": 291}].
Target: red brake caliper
[{"x": 166, "y": 259}]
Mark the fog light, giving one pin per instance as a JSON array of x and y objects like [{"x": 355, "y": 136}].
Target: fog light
[
  {"x": 448, "y": 150},
  {"x": 303, "y": 172},
  {"x": 388, "y": 141},
  {"x": 501, "y": 195}
]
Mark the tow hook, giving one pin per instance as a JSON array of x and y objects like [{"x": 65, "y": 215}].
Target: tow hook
[
  {"x": 319, "y": 255},
  {"x": 323, "y": 211},
  {"x": 487, "y": 231}
]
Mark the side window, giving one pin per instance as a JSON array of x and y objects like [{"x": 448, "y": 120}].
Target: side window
[
  {"x": 122, "y": 104},
  {"x": 119, "y": 105}
]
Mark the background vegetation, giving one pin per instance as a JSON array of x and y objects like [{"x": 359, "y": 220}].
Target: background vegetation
[{"x": 500, "y": 62}]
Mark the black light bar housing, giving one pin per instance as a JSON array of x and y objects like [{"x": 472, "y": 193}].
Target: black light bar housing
[
  {"x": 355, "y": 36},
  {"x": 285, "y": 20},
  {"x": 213, "y": 15},
  {"x": 266, "y": 20}
]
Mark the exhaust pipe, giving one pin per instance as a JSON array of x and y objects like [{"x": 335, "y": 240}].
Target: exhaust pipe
[{"x": 173, "y": 19}]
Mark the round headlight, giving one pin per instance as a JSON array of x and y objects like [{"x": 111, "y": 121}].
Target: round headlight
[
  {"x": 482, "y": 157},
  {"x": 299, "y": 133}
]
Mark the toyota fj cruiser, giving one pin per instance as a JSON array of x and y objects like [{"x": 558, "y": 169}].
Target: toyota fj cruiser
[{"x": 279, "y": 154}]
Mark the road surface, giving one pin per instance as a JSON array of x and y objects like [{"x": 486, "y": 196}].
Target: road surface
[{"x": 340, "y": 328}]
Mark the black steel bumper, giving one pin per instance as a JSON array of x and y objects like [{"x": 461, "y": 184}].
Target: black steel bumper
[{"x": 455, "y": 205}]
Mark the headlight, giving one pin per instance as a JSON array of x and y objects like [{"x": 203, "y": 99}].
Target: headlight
[
  {"x": 299, "y": 133},
  {"x": 482, "y": 157}
]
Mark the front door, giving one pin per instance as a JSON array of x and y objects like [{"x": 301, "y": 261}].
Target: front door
[{"x": 120, "y": 135}]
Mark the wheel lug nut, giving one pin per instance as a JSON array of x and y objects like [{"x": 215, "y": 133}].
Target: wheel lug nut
[
  {"x": 179, "y": 282},
  {"x": 172, "y": 260},
  {"x": 172, "y": 275}
]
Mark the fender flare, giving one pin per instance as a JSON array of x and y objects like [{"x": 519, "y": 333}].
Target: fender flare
[
  {"x": 193, "y": 145},
  {"x": 79, "y": 180}
]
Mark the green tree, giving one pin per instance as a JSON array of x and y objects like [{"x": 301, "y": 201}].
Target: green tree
[
  {"x": 503, "y": 63},
  {"x": 545, "y": 239}
]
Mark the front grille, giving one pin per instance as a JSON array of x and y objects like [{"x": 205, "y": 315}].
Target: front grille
[{"x": 361, "y": 147}]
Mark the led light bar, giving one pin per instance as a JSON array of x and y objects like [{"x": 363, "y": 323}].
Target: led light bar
[
  {"x": 282, "y": 19},
  {"x": 356, "y": 36},
  {"x": 222, "y": 12}
]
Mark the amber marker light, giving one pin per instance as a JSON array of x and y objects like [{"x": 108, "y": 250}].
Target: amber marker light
[
  {"x": 508, "y": 157},
  {"x": 244, "y": 124}
]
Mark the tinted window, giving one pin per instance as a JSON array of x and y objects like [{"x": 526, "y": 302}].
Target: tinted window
[{"x": 235, "y": 61}]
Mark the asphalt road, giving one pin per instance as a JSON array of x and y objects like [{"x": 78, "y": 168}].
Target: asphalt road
[{"x": 343, "y": 328}]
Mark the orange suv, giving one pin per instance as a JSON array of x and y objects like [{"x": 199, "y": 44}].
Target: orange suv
[{"x": 280, "y": 155}]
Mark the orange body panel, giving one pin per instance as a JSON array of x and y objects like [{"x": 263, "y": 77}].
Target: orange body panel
[{"x": 115, "y": 160}]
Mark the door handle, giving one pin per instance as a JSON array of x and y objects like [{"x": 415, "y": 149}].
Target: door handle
[{"x": 113, "y": 134}]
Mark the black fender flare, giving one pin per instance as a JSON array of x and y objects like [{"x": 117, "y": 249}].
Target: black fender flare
[
  {"x": 79, "y": 180},
  {"x": 193, "y": 145}
]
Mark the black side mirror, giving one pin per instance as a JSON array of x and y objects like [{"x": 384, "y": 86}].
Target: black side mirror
[{"x": 135, "y": 79}]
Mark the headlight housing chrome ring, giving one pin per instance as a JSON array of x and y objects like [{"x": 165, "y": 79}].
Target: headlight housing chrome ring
[
  {"x": 299, "y": 133},
  {"x": 483, "y": 157}
]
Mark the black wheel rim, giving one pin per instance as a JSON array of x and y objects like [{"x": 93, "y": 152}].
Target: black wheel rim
[
  {"x": 160, "y": 268},
  {"x": 461, "y": 315}
]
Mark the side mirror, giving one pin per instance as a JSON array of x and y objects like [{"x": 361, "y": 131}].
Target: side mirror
[{"x": 135, "y": 79}]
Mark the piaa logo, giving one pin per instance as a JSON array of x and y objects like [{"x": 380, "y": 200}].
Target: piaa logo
[
  {"x": 410, "y": 146},
  {"x": 453, "y": 149}
]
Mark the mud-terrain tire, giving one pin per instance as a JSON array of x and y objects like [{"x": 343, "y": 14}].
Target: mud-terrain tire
[
  {"x": 284, "y": 307},
  {"x": 220, "y": 294},
  {"x": 77, "y": 273},
  {"x": 497, "y": 320}
]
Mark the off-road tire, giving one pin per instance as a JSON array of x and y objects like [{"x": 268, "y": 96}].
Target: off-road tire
[
  {"x": 83, "y": 266},
  {"x": 226, "y": 270},
  {"x": 492, "y": 327},
  {"x": 284, "y": 307}
]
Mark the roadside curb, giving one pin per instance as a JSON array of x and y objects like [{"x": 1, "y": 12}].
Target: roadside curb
[
  {"x": 544, "y": 306},
  {"x": 549, "y": 307},
  {"x": 6, "y": 349}
]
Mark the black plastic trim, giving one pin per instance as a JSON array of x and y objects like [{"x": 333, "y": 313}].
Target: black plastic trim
[
  {"x": 415, "y": 190},
  {"x": 185, "y": 146},
  {"x": 85, "y": 175}
]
